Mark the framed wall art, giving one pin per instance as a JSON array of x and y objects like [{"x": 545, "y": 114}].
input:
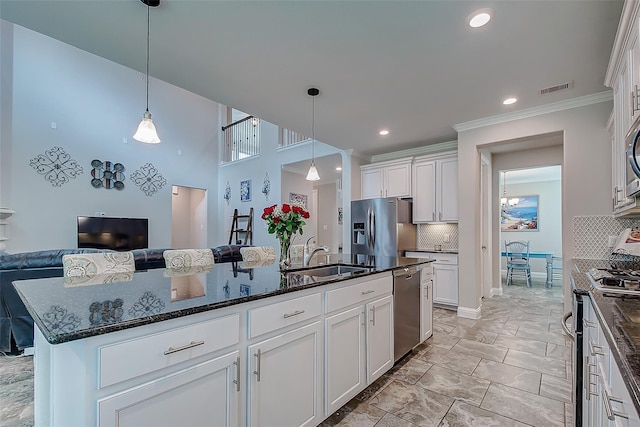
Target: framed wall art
[
  {"x": 245, "y": 191},
  {"x": 298, "y": 199},
  {"x": 520, "y": 213}
]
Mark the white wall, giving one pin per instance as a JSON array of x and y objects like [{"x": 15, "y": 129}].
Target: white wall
[
  {"x": 94, "y": 103},
  {"x": 327, "y": 217},
  {"x": 586, "y": 180}
]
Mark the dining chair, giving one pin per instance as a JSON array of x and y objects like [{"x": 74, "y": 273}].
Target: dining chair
[
  {"x": 91, "y": 264},
  {"x": 185, "y": 260},
  {"x": 518, "y": 260}
]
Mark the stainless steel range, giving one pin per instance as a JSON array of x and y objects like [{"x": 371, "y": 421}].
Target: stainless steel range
[{"x": 612, "y": 280}]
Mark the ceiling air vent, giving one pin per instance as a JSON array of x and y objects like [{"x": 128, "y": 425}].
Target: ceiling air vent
[{"x": 556, "y": 88}]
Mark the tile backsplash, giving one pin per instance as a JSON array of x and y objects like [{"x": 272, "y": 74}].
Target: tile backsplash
[
  {"x": 591, "y": 234},
  {"x": 434, "y": 234}
]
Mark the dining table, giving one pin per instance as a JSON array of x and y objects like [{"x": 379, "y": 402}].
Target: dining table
[{"x": 548, "y": 256}]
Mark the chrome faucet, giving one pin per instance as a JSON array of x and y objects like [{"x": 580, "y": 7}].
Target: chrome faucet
[{"x": 306, "y": 256}]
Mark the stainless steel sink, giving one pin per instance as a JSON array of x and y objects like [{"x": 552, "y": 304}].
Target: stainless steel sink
[{"x": 332, "y": 270}]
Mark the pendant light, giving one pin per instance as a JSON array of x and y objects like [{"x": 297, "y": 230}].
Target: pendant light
[
  {"x": 313, "y": 172},
  {"x": 503, "y": 199},
  {"x": 146, "y": 129}
]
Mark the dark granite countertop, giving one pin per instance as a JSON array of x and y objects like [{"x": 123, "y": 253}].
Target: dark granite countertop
[
  {"x": 440, "y": 251},
  {"x": 620, "y": 318},
  {"x": 67, "y": 313}
]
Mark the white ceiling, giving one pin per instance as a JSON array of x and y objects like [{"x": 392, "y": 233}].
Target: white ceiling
[
  {"x": 519, "y": 176},
  {"x": 414, "y": 67}
]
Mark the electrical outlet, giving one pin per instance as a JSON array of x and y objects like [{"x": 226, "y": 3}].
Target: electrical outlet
[
  {"x": 446, "y": 238},
  {"x": 612, "y": 241}
]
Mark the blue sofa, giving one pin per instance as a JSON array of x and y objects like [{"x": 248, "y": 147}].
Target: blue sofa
[{"x": 16, "y": 324}]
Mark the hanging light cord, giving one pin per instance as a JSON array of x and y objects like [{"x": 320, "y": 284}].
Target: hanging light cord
[
  {"x": 313, "y": 125},
  {"x": 148, "y": 25}
]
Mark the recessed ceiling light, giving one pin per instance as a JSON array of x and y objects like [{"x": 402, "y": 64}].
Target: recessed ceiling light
[
  {"x": 384, "y": 132},
  {"x": 509, "y": 101},
  {"x": 479, "y": 18},
  {"x": 338, "y": 168}
]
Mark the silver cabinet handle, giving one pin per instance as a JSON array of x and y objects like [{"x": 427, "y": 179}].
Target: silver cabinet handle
[
  {"x": 373, "y": 315},
  {"x": 258, "y": 356},
  {"x": 595, "y": 350},
  {"x": 237, "y": 380},
  {"x": 295, "y": 313},
  {"x": 370, "y": 291},
  {"x": 171, "y": 350},
  {"x": 606, "y": 401}
]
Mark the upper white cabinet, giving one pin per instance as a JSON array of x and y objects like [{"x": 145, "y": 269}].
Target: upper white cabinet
[
  {"x": 623, "y": 76},
  {"x": 435, "y": 188},
  {"x": 386, "y": 179}
]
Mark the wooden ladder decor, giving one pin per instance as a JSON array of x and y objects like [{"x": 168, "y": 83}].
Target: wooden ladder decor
[{"x": 242, "y": 226}]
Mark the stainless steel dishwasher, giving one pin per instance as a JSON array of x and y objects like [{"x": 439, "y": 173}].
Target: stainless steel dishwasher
[{"x": 406, "y": 310}]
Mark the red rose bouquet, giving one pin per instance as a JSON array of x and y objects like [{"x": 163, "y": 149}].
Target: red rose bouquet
[{"x": 284, "y": 222}]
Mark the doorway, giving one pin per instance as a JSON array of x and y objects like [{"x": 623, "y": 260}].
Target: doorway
[
  {"x": 530, "y": 210},
  {"x": 188, "y": 217}
]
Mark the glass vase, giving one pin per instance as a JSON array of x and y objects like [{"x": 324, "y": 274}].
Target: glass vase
[{"x": 285, "y": 259}]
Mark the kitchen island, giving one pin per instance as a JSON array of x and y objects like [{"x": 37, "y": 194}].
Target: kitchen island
[{"x": 223, "y": 347}]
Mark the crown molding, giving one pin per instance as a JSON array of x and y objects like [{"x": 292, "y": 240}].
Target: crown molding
[
  {"x": 418, "y": 151},
  {"x": 568, "y": 104}
]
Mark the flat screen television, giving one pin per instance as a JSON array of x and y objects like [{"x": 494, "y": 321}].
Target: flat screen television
[{"x": 120, "y": 234}]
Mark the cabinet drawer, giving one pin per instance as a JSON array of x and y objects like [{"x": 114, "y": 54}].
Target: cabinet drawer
[
  {"x": 358, "y": 292},
  {"x": 282, "y": 314},
  {"x": 129, "y": 359},
  {"x": 451, "y": 259}
]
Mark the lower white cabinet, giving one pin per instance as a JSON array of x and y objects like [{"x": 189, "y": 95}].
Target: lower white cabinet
[
  {"x": 445, "y": 284},
  {"x": 359, "y": 338},
  {"x": 345, "y": 357},
  {"x": 426, "y": 306},
  {"x": 206, "y": 394},
  {"x": 284, "y": 385},
  {"x": 379, "y": 337},
  {"x": 606, "y": 399}
]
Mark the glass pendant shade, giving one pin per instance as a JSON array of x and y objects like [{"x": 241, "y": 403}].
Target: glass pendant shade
[
  {"x": 313, "y": 173},
  {"x": 146, "y": 130}
]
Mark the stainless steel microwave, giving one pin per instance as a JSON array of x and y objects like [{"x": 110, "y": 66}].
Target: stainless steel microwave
[{"x": 632, "y": 161}]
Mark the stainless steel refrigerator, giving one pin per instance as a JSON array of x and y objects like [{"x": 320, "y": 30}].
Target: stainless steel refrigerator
[{"x": 382, "y": 227}]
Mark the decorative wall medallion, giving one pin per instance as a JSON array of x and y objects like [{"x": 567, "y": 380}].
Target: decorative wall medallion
[
  {"x": 148, "y": 179},
  {"x": 245, "y": 191},
  {"x": 147, "y": 305},
  {"x": 60, "y": 320},
  {"x": 107, "y": 174},
  {"x": 227, "y": 193},
  {"x": 57, "y": 166},
  {"x": 266, "y": 186},
  {"x": 227, "y": 290}
]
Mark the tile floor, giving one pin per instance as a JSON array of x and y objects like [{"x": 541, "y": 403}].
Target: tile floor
[{"x": 510, "y": 368}]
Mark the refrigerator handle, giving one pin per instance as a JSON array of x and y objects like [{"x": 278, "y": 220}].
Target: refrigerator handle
[
  {"x": 368, "y": 234},
  {"x": 373, "y": 229}
]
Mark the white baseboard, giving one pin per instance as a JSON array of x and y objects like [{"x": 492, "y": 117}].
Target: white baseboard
[
  {"x": 496, "y": 292},
  {"x": 28, "y": 351},
  {"x": 469, "y": 313}
]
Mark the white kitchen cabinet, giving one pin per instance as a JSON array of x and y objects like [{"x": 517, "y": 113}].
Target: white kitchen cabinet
[
  {"x": 345, "y": 357},
  {"x": 623, "y": 76},
  {"x": 379, "y": 337},
  {"x": 435, "y": 188},
  {"x": 359, "y": 338},
  {"x": 606, "y": 399},
  {"x": 204, "y": 394},
  {"x": 285, "y": 379},
  {"x": 386, "y": 179},
  {"x": 426, "y": 306}
]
